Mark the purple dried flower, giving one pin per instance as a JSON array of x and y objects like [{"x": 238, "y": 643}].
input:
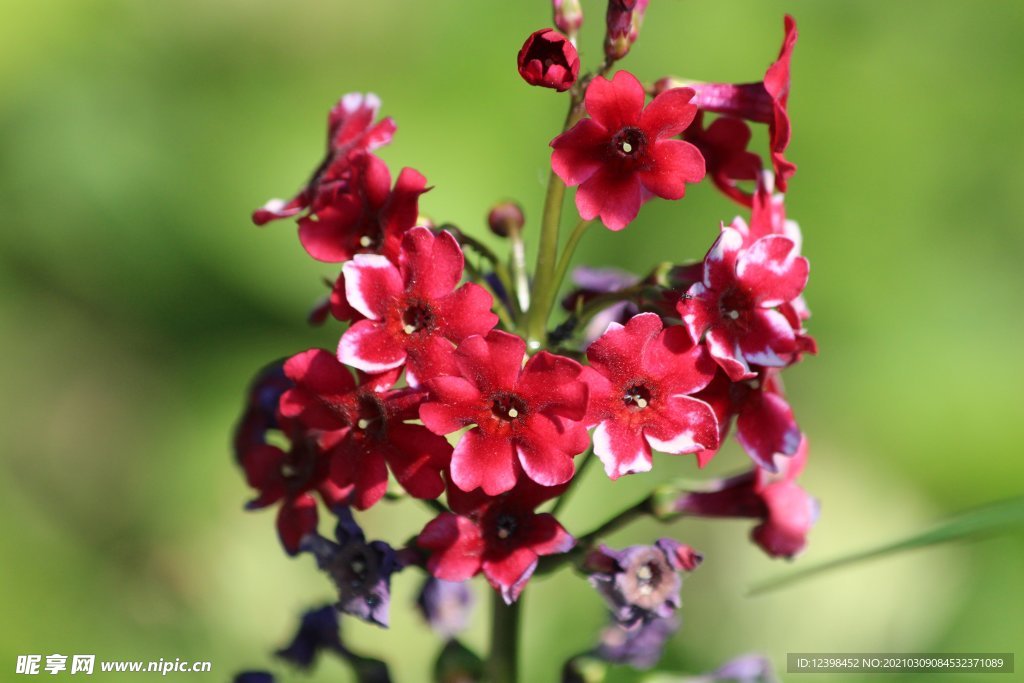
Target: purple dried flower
[
  {"x": 641, "y": 582},
  {"x": 361, "y": 571},
  {"x": 639, "y": 647}
]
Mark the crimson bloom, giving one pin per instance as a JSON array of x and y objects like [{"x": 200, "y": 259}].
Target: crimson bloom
[
  {"x": 733, "y": 308},
  {"x": 501, "y": 537},
  {"x": 765, "y": 102},
  {"x": 640, "y": 380},
  {"x": 290, "y": 475},
  {"x": 765, "y": 425},
  {"x": 415, "y": 312},
  {"x": 625, "y": 152},
  {"x": 549, "y": 60},
  {"x": 723, "y": 144},
  {"x": 369, "y": 217},
  {"x": 524, "y": 415},
  {"x": 351, "y": 131},
  {"x": 787, "y": 512},
  {"x": 364, "y": 428}
]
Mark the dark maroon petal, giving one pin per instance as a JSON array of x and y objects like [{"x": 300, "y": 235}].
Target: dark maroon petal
[
  {"x": 417, "y": 457},
  {"x": 431, "y": 265},
  {"x": 295, "y": 519}
]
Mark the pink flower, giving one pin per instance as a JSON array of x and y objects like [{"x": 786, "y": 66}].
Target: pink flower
[
  {"x": 415, "y": 312},
  {"x": 501, "y": 537},
  {"x": 549, "y": 60},
  {"x": 364, "y": 428},
  {"x": 640, "y": 379},
  {"x": 524, "y": 415},
  {"x": 733, "y": 308},
  {"x": 765, "y": 425},
  {"x": 369, "y": 217},
  {"x": 625, "y": 152},
  {"x": 765, "y": 102},
  {"x": 350, "y": 132},
  {"x": 787, "y": 512}
]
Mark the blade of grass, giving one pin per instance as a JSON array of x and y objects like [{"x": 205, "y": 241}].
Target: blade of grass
[{"x": 989, "y": 519}]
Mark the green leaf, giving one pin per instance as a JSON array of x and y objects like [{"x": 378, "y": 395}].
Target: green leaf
[{"x": 994, "y": 518}]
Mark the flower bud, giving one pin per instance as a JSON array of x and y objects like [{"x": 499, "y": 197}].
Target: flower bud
[
  {"x": 549, "y": 60},
  {"x": 506, "y": 218},
  {"x": 623, "y": 19},
  {"x": 568, "y": 16}
]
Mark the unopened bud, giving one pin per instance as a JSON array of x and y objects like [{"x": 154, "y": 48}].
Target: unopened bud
[
  {"x": 568, "y": 16},
  {"x": 623, "y": 19},
  {"x": 506, "y": 218}
]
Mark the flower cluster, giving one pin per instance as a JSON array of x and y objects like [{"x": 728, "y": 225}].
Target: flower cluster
[{"x": 450, "y": 384}]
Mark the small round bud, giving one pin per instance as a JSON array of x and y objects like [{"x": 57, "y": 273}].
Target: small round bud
[
  {"x": 506, "y": 218},
  {"x": 549, "y": 60},
  {"x": 568, "y": 16}
]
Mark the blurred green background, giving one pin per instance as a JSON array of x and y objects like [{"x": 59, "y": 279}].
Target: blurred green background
[{"x": 136, "y": 299}]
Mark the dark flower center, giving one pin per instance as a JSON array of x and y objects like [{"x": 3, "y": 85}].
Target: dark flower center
[
  {"x": 505, "y": 526},
  {"x": 733, "y": 303},
  {"x": 648, "y": 580},
  {"x": 508, "y": 407},
  {"x": 353, "y": 568},
  {"x": 416, "y": 317},
  {"x": 370, "y": 416},
  {"x": 637, "y": 397},
  {"x": 630, "y": 143}
]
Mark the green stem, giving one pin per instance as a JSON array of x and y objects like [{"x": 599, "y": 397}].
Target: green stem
[
  {"x": 547, "y": 255},
  {"x": 566, "y": 259},
  {"x": 503, "y": 664}
]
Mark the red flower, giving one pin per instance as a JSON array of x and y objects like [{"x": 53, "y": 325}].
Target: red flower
[
  {"x": 764, "y": 102},
  {"x": 734, "y": 304},
  {"x": 350, "y": 132},
  {"x": 369, "y": 217},
  {"x": 530, "y": 415},
  {"x": 416, "y": 311},
  {"x": 640, "y": 379},
  {"x": 290, "y": 477},
  {"x": 364, "y": 428},
  {"x": 625, "y": 152},
  {"x": 501, "y": 537},
  {"x": 723, "y": 144},
  {"x": 549, "y": 60},
  {"x": 765, "y": 425},
  {"x": 787, "y": 512}
]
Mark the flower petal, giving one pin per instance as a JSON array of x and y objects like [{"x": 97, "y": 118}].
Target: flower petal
[
  {"x": 370, "y": 347},
  {"x": 669, "y": 113},
  {"x": 615, "y": 103},
  {"x": 371, "y": 283}
]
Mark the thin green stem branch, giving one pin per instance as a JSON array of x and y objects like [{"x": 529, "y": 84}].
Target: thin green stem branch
[
  {"x": 503, "y": 663},
  {"x": 566, "y": 259}
]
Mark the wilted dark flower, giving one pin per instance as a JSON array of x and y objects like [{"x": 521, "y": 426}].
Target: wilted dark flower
[
  {"x": 360, "y": 570},
  {"x": 318, "y": 631},
  {"x": 639, "y": 647}
]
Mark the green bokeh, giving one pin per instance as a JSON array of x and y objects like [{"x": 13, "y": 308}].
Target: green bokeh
[{"x": 136, "y": 299}]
